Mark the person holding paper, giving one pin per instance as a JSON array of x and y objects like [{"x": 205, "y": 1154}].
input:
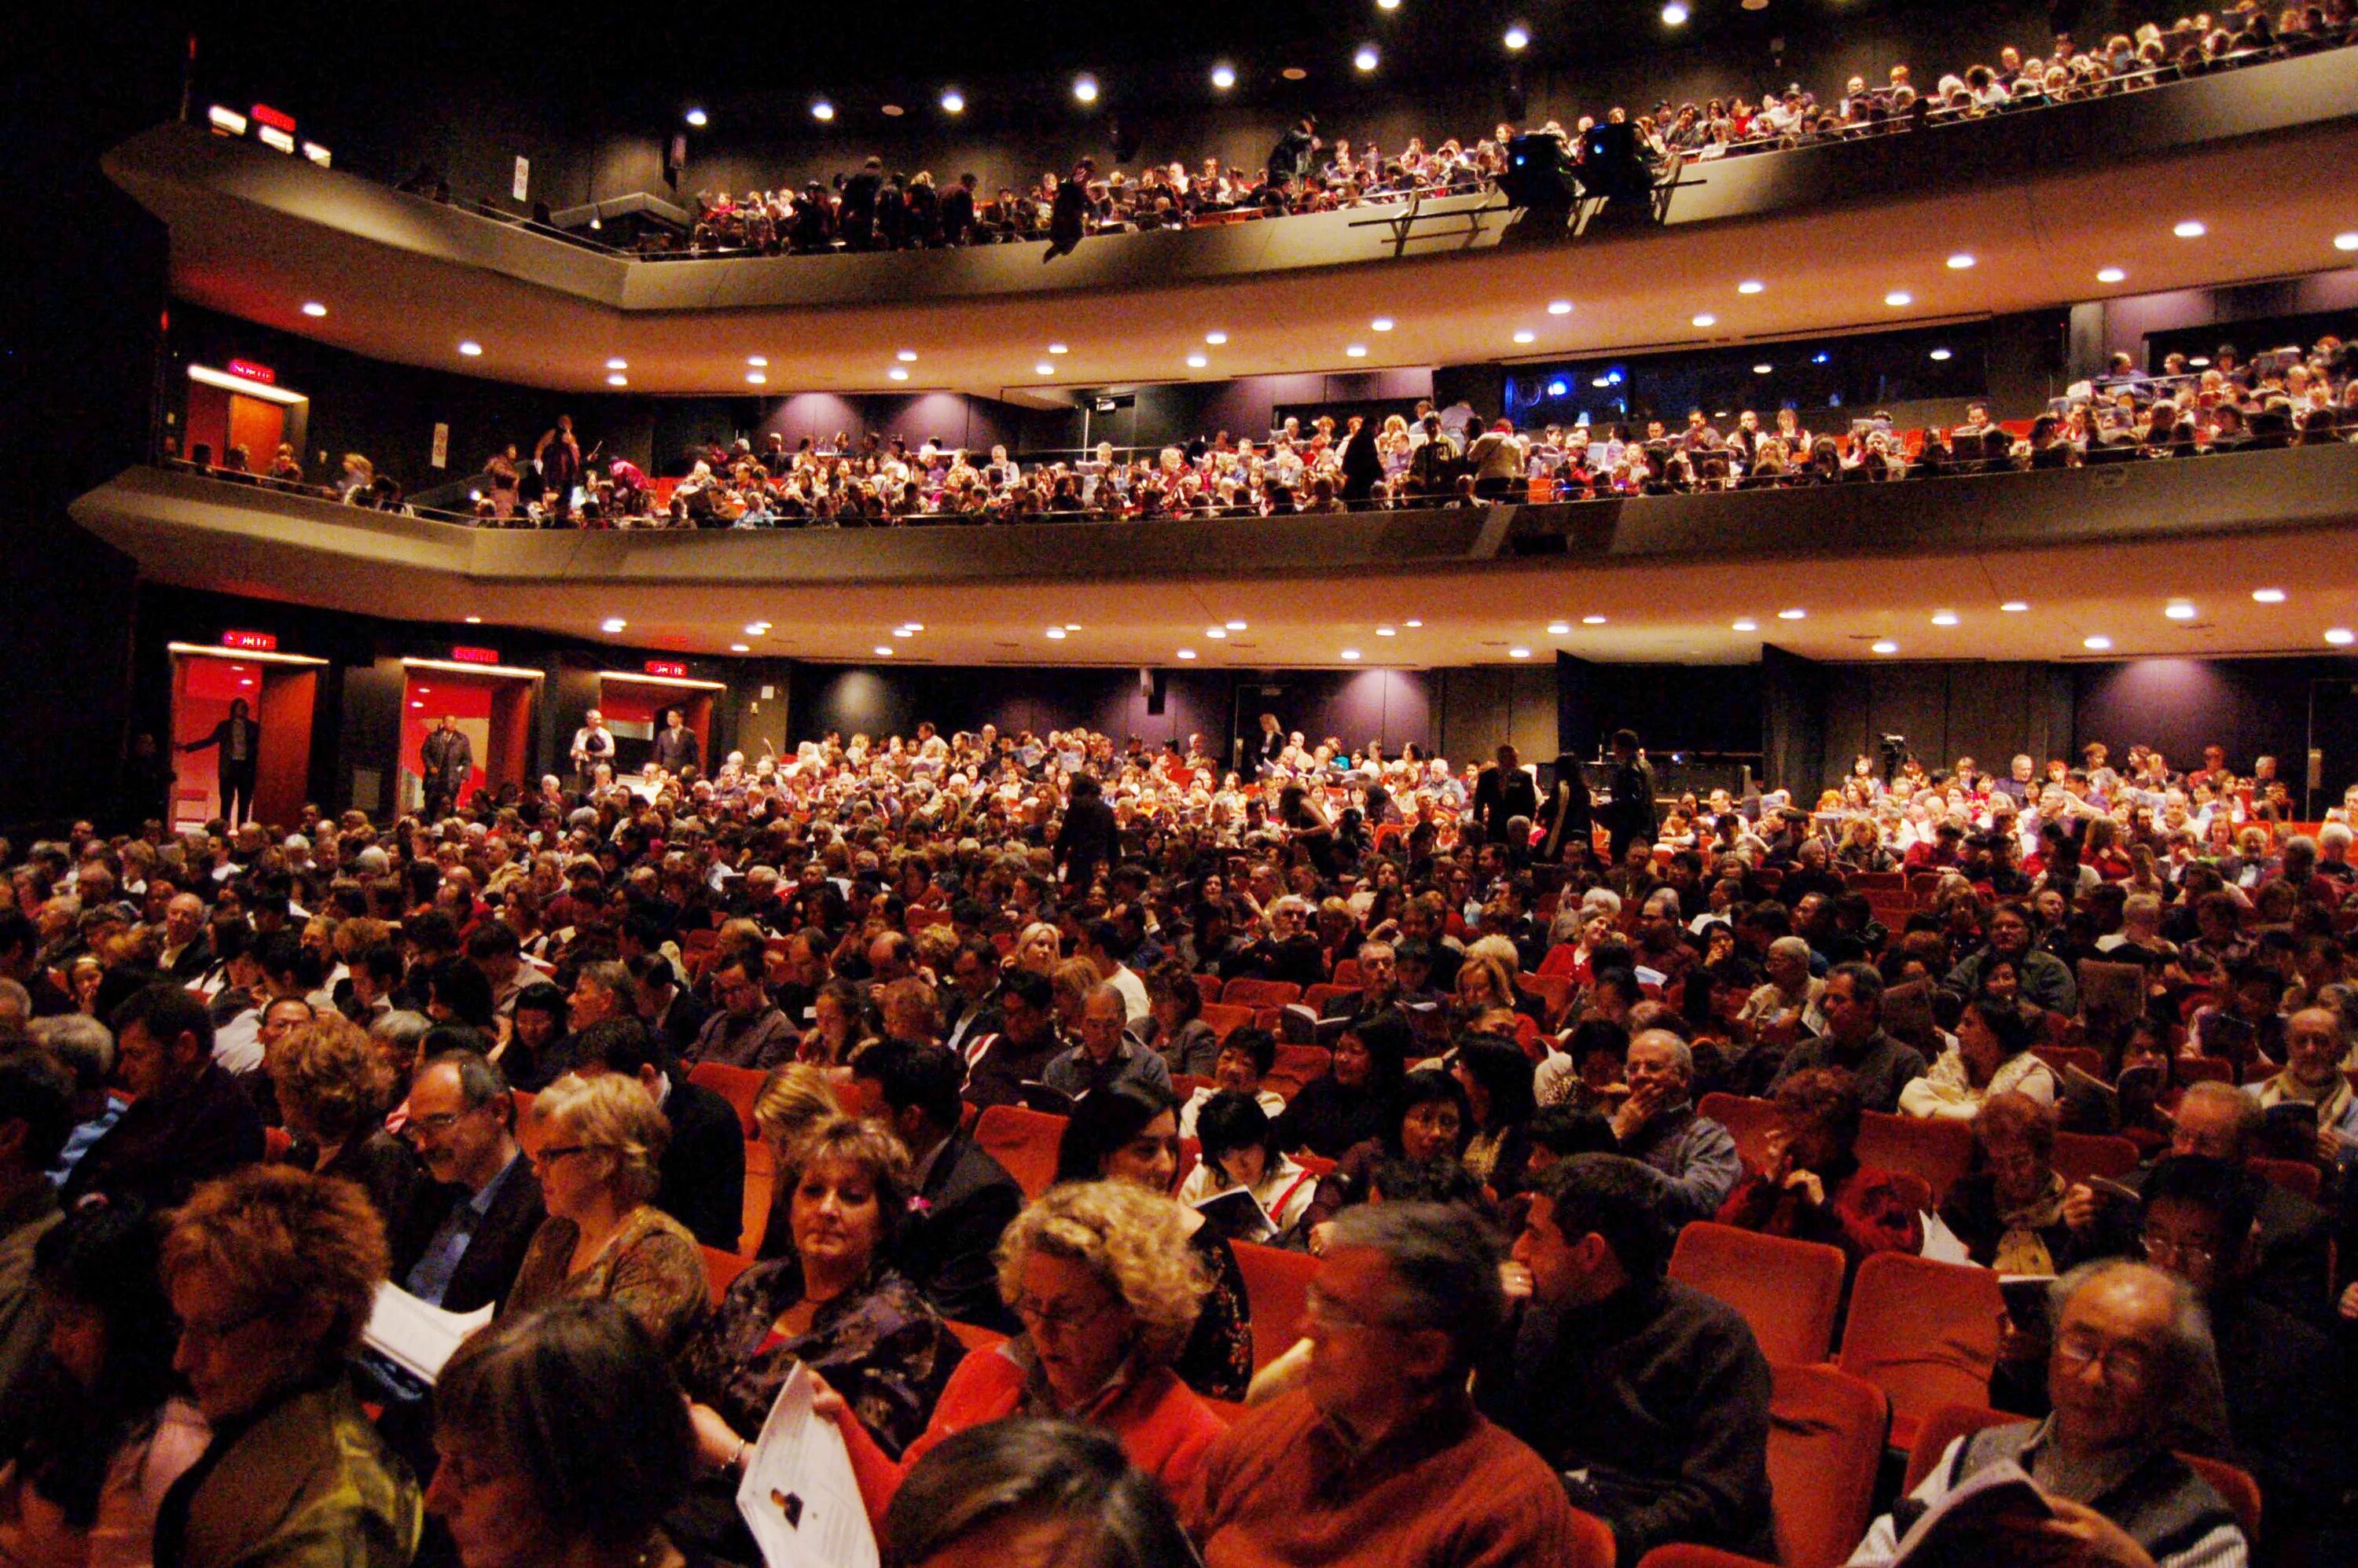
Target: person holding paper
[
  {"x": 1107, "y": 1290},
  {"x": 833, "y": 1304},
  {"x": 1241, "y": 1155},
  {"x": 2131, "y": 1369},
  {"x": 539, "y": 1400}
]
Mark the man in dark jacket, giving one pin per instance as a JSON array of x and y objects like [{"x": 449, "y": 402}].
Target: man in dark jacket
[
  {"x": 1648, "y": 1398},
  {"x": 1088, "y": 837},
  {"x": 1501, "y": 793},
  {"x": 1287, "y": 159},
  {"x": 444, "y": 761},
  {"x": 1362, "y": 464},
  {"x": 1631, "y": 818},
  {"x": 1569, "y": 816},
  {"x": 464, "y": 1238},
  {"x": 676, "y": 747},
  {"x": 702, "y": 1174},
  {"x": 239, "y": 740},
  {"x": 964, "y": 1197},
  {"x": 999, "y": 1066},
  {"x": 190, "y": 1121}
]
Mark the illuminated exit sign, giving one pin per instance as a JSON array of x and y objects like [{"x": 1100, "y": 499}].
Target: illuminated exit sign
[
  {"x": 250, "y": 642},
  {"x": 253, "y": 371},
  {"x": 672, "y": 668},
  {"x": 467, "y": 655}
]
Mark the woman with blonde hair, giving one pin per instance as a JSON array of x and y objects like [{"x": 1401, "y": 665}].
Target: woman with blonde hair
[
  {"x": 1108, "y": 1288},
  {"x": 792, "y": 1101},
  {"x": 1039, "y": 949},
  {"x": 596, "y": 1144}
]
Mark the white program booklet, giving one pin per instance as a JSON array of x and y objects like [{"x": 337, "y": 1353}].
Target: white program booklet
[
  {"x": 1942, "y": 1244},
  {"x": 416, "y": 1335},
  {"x": 798, "y": 1495}
]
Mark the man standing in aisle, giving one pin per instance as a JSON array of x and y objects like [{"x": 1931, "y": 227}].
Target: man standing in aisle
[
  {"x": 239, "y": 739},
  {"x": 444, "y": 761},
  {"x": 593, "y": 743}
]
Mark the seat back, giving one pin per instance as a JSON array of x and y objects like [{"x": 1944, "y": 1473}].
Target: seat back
[
  {"x": 1749, "y": 1120},
  {"x": 1924, "y": 1333},
  {"x": 1207, "y": 985},
  {"x": 753, "y": 1209},
  {"x": 1023, "y": 1140},
  {"x": 1788, "y": 1292},
  {"x": 1226, "y": 1018},
  {"x": 2087, "y": 1058},
  {"x": 721, "y": 1271},
  {"x": 1261, "y": 993},
  {"x": 1276, "y": 1283},
  {"x": 1826, "y": 1443},
  {"x": 1316, "y": 998},
  {"x": 740, "y": 1087},
  {"x": 1939, "y": 1151},
  {"x": 2205, "y": 1070},
  {"x": 973, "y": 1335},
  {"x": 2297, "y": 1177},
  {"x": 2236, "y": 1488},
  {"x": 1685, "y": 1554},
  {"x": 1555, "y": 991},
  {"x": 1348, "y": 975},
  {"x": 2080, "y": 1156}
]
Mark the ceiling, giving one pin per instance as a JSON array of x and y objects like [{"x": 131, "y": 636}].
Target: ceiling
[{"x": 2037, "y": 244}]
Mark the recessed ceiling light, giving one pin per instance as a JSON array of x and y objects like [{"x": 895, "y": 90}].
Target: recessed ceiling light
[
  {"x": 1764, "y": 368},
  {"x": 475, "y": 620},
  {"x": 1186, "y": 653},
  {"x": 2112, "y": 275},
  {"x": 698, "y": 118},
  {"x": 1224, "y": 77},
  {"x": 1216, "y": 337},
  {"x": 1750, "y": 286},
  {"x": 1296, "y": 73},
  {"x": 471, "y": 349},
  {"x": 1055, "y": 633},
  {"x": 741, "y": 647},
  {"x": 2188, "y": 229},
  {"x": 1944, "y": 618},
  {"x": 2096, "y": 644},
  {"x": 822, "y": 111},
  {"x": 616, "y": 378},
  {"x": 1411, "y": 623},
  {"x": 1197, "y": 361},
  {"x": 1518, "y": 37},
  {"x": 1898, "y": 299},
  {"x": 757, "y": 378},
  {"x": 759, "y": 362},
  {"x": 2013, "y": 607},
  {"x": 2348, "y": 242},
  {"x": 2340, "y": 636},
  {"x": 618, "y": 365},
  {"x": 1527, "y": 336},
  {"x": 1059, "y": 349},
  {"x": 907, "y": 356},
  {"x": 1044, "y": 368},
  {"x": 1386, "y": 632},
  {"x": 884, "y": 650},
  {"x": 1381, "y": 324},
  {"x": 1792, "y": 614},
  {"x": 1234, "y": 626},
  {"x": 915, "y": 625},
  {"x": 2181, "y": 611},
  {"x": 1518, "y": 653},
  {"x": 1746, "y": 625},
  {"x": 1356, "y": 351},
  {"x": 1601, "y": 382},
  {"x": 905, "y": 631},
  {"x": 2268, "y": 595},
  {"x": 1592, "y": 621},
  {"x": 1940, "y": 356},
  {"x": 1216, "y": 632},
  {"x": 1367, "y": 59},
  {"x": 952, "y": 102},
  {"x": 892, "y": 111},
  {"x": 313, "y": 308},
  {"x": 1885, "y": 646},
  {"x": 612, "y": 625},
  {"x": 1558, "y": 628},
  {"x": 1706, "y": 319},
  {"x": 756, "y": 628},
  {"x": 1085, "y": 88},
  {"x": 1072, "y": 625},
  {"x": 1960, "y": 261},
  {"x": 897, "y": 372},
  {"x": 1674, "y": 15},
  {"x": 1559, "y": 307},
  {"x": 1350, "y": 652}
]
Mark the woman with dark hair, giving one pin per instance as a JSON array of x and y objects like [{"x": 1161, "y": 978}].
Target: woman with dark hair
[
  {"x": 993, "y": 1490},
  {"x": 459, "y": 992},
  {"x": 92, "y": 1437},
  {"x": 564, "y": 1438},
  {"x": 835, "y": 1026},
  {"x": 1345, "y": 1105},
  {"x": 1992, "y": 1056},
  {"x": 1814, "y": 1188},
  {"x": 1240, "y": 1153},
  {"x": 1497, "y": 1077},
  {"x": 1428, "y": 1119},
  {"x": 1126, "y": 1133},
  {"x": 539, "y": 1024}
]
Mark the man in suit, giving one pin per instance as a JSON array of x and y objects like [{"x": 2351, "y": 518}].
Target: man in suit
[
  {"x": 1503, "y": 793},
  {"x": 1631, "y": 818},
  {"x": 965, "y": 1198},
  {"x": 1088, "y": 837},
  {"x": 998, "y": 1066},
  {"x": 239, "y": 742},
  {"x": 676, "y": 747},
  {"x": 188, "y": 950},
  {"x": 702, "y": 1172},
  {"x": 1378, "y": 986},
  {"x": 444, "y": 761},
  {"x": 464, "y": 1238}
]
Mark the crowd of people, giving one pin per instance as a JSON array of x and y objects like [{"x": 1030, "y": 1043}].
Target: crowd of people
[
  {"x": 1429, "y": 457},
  {"x": 871, "y": 209},
  {"x": 248, "y": 1077}
]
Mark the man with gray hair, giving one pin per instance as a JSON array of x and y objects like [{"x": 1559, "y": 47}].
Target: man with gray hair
[
  {"x": 1659, "y": 1126},
  {"x": 86, "y": 1046},
  {"x": 1854, "y": 1041},
  {"x": 1106, "y": 1055},
  {"x": 1380, "y": 1456},
  {"x": 2130, "y": 1373},
  {"x": 1778, "y": 1005}
]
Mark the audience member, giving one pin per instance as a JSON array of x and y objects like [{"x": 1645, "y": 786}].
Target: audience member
[
  {"x": 1992, "y": 1056},
  {"x": 333, "y": 1092},
  {"x": 1025, "y": 1489},
  {"x": 36, "y": 1095},
  {"x": 188, "y": 1123},
  {"x": 467, "y": 1229},
  {"x": 703, "y": 1161},
  {"x": 1855, "y": 1041},
  {"x": 1814, "y": 1187},
  {"x": 1659, "y": 1126},
  {"x": 963, "y": 1199}
]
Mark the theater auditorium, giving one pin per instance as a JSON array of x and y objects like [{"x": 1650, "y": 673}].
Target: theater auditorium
[{"x": 1391, "y": 784}]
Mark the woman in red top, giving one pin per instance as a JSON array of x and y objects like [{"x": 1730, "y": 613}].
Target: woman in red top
[
  {"x": 1107, "y": 1290},
  {"x": 1814, "y": 1188}
]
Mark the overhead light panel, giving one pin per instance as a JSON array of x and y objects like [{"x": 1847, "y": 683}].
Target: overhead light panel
[
  {"x": 822, "y": 111},
  {"x": 313, "y": 308},
  {"x": 1224, "y": 77},
  {"x": 1085, "y": 89},
  {"x": 952, "y": 102},
  {"x": 1367, "y": 59}
]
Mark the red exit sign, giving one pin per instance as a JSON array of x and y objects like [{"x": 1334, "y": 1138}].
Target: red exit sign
[
  {"x": 250, "y": 642},
  {"x": 671, "y": 668},
  {"x": 467, "y": 655},
  {"x": 253, "y": 371},
  {"x": 279, "y": 118}
]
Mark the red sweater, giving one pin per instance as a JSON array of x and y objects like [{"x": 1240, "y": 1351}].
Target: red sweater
[{"x": 1163, "y": 1427}]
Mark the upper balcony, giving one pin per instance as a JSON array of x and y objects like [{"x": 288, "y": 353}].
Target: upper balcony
[{"x": 1840, "y": 235}]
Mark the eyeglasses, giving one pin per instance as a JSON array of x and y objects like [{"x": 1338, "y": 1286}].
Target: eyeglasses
[
  {"x": 1058, "y": 1321},
  {"x": 441, "y": 1122},
  {"x": 2126, "y": 1364},
  {"x": 2159, "y": 1248},
  {"x": 550, "y": 1156}
]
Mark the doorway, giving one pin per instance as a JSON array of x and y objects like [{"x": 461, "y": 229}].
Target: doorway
[
  {"x": 2331, "y": 766},
  {"x": 229, "y": 411},
  {"x": 281, "y": 693},
  {"x": 493, "y": 706},
  {"x": 633, "y": 707}
]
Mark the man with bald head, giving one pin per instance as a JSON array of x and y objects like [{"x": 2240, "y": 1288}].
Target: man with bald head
[
  {"x": 188, "y": 950},
  {"x": 1106, "y": 1055},
  {"x": 1659, "y": 1126}
]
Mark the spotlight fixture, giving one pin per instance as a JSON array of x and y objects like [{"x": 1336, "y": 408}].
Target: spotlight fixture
[
  {"x": 2112, "y": 275},
  {"x": 1559, "y": 307},
  {"x": 1085, "y": 89},
  {"x": 1899, "y": 299},
  {"x": 2268, "y": 595},
  {"x": 952, "y": 102},
  {"x": 822, "y": 111},
  {"x": 696, "y": 117},
  {"x": 2096, "y": 644},
  {"x": 1960, "y": 261},
  {"x": 1745, "y": 625},
  {"x": 1367, "y": 59},
  {"x": 1517, "y": 38},
  {"x": 1224, "y": 77},
  {"x": 1674, "y": 15},
  {"x": 1706, "y": 319},
  {"x": 313, "y": 308},
  {"x": 471, "y": 349},
  {"x": 2188, "y": 229}
]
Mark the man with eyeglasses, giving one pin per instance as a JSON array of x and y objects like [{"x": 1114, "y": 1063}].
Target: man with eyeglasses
[
  {"x": 2130, "y": 1373},
  {"x": 464, "y": 1238},
  {"x": 748, "y": 1030},
  {"x": 1379, "y": 1457}
]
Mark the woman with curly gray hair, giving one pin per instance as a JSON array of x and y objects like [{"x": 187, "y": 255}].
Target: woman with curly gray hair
[{"x": 1107, "y": 1290}]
